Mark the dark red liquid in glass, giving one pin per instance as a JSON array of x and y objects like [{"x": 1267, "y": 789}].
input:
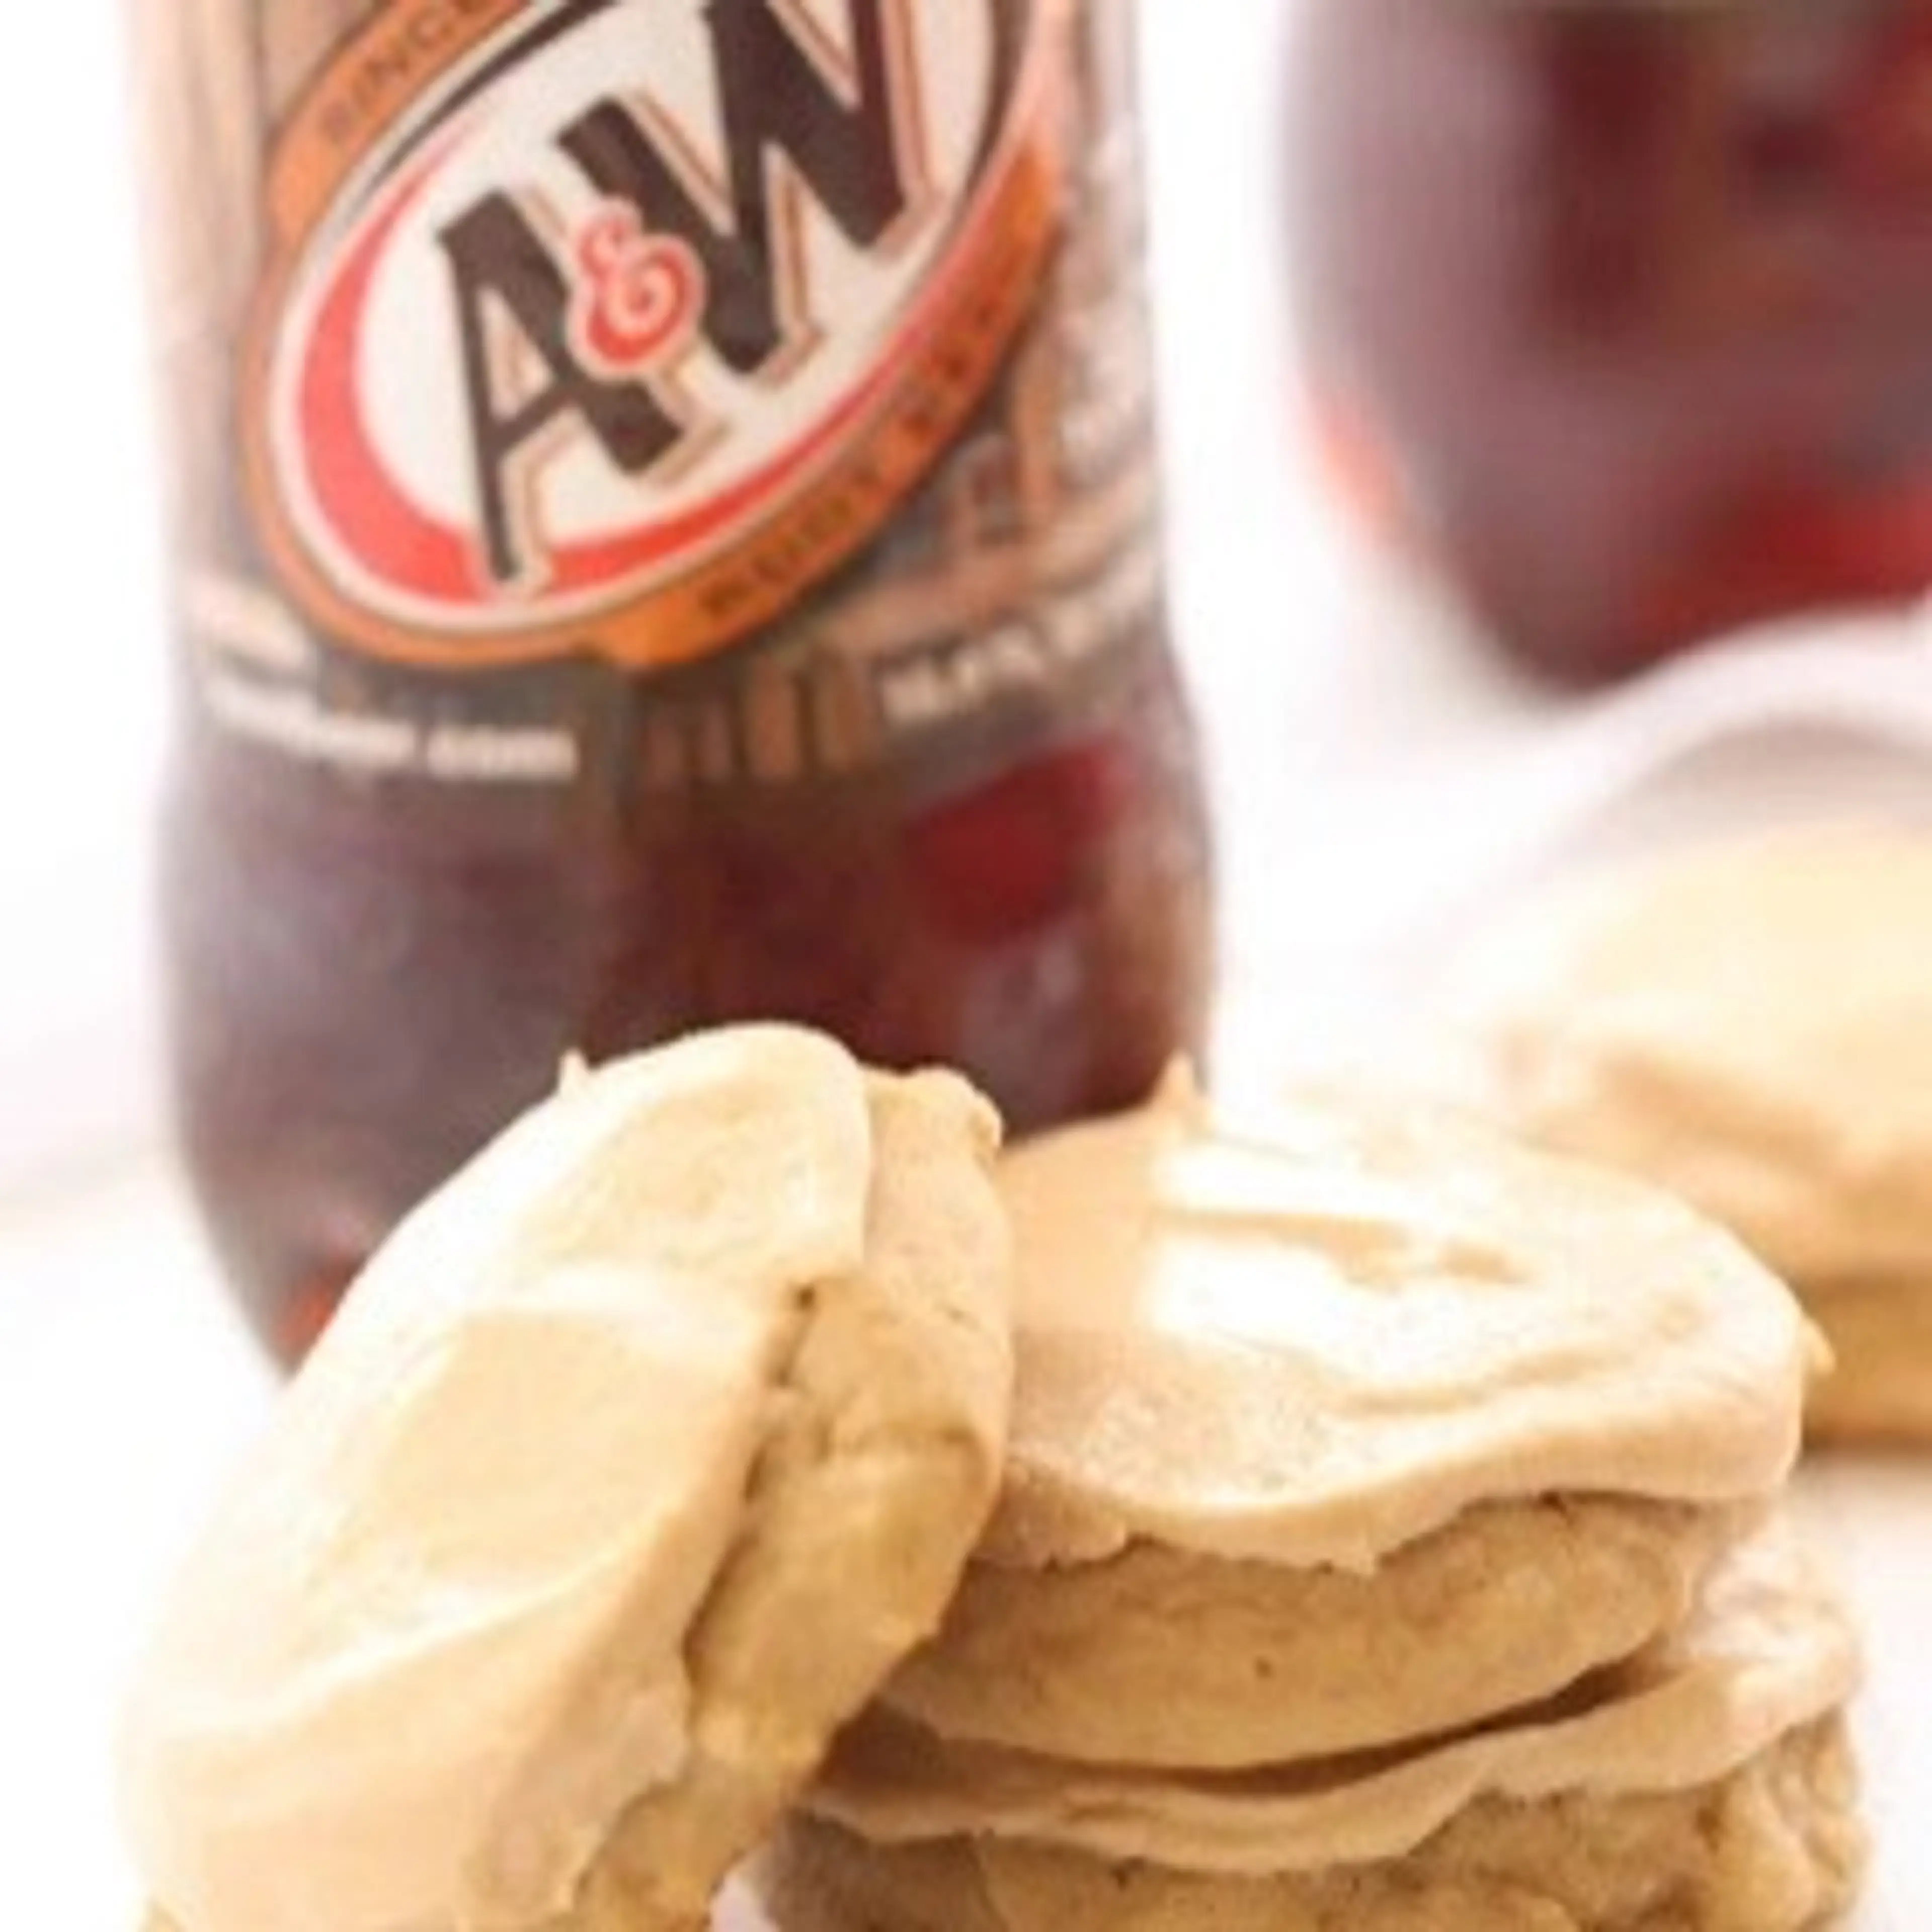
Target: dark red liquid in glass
[{"x": 1622, "y": 313}]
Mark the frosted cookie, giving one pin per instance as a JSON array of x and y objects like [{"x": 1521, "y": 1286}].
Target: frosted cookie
[
  {"x": 1159, "y": 1656},
  {"x": 634, "y": 1464},
  {"x": 1750, "y": 1024},
  {"x": 1768, "y": 1651},
  {"x": 1773, "y": 1845},
  {"x": 1312, "y": 1339}
]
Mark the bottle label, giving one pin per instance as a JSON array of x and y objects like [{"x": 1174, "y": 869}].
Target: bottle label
[{"x": 769, "y": 376}]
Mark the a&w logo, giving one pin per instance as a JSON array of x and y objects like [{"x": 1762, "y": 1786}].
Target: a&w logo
[{"x": 634, "y": 317}]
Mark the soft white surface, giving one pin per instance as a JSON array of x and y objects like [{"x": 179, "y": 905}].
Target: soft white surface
[{"x": 80, "y": 552}]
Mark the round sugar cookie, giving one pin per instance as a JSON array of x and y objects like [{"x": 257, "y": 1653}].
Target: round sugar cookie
[
  {"x": 1160, "y": 1656},
  {"x": 1768, "y": 1651},
  {"x": 634, "y": 1464},
  {"x": 1310, "y": 1336},
  {"x": 1750, "y": 1022}
]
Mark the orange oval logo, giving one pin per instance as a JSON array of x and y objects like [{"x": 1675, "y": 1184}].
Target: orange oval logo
[{"x": 639, "y": 318}]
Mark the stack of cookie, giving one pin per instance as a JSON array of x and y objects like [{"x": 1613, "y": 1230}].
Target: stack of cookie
[
  {"x": 1390, "y": 1540},
  {"x": 1380, "y": 1532}
]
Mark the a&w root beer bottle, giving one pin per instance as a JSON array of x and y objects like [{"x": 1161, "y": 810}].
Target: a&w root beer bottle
[{"x": 667, "y": 533}]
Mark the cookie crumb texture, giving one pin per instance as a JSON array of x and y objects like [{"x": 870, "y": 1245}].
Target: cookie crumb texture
[
  {"x": 1159, "y": 1656},
  {"x": 1774, "y": 1847}
]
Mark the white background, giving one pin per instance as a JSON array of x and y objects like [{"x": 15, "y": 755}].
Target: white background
[{"x": 79, "y": 696}]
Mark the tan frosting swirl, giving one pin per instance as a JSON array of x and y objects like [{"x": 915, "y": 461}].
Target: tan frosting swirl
[
  {"x": 1751, "y": 1018},
  {"x": 432, "y": 1645},
  {"x": 1313, "y": 1337}
]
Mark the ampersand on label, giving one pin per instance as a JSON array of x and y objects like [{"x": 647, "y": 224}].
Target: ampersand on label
[{"x": 639, "y": 295}]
